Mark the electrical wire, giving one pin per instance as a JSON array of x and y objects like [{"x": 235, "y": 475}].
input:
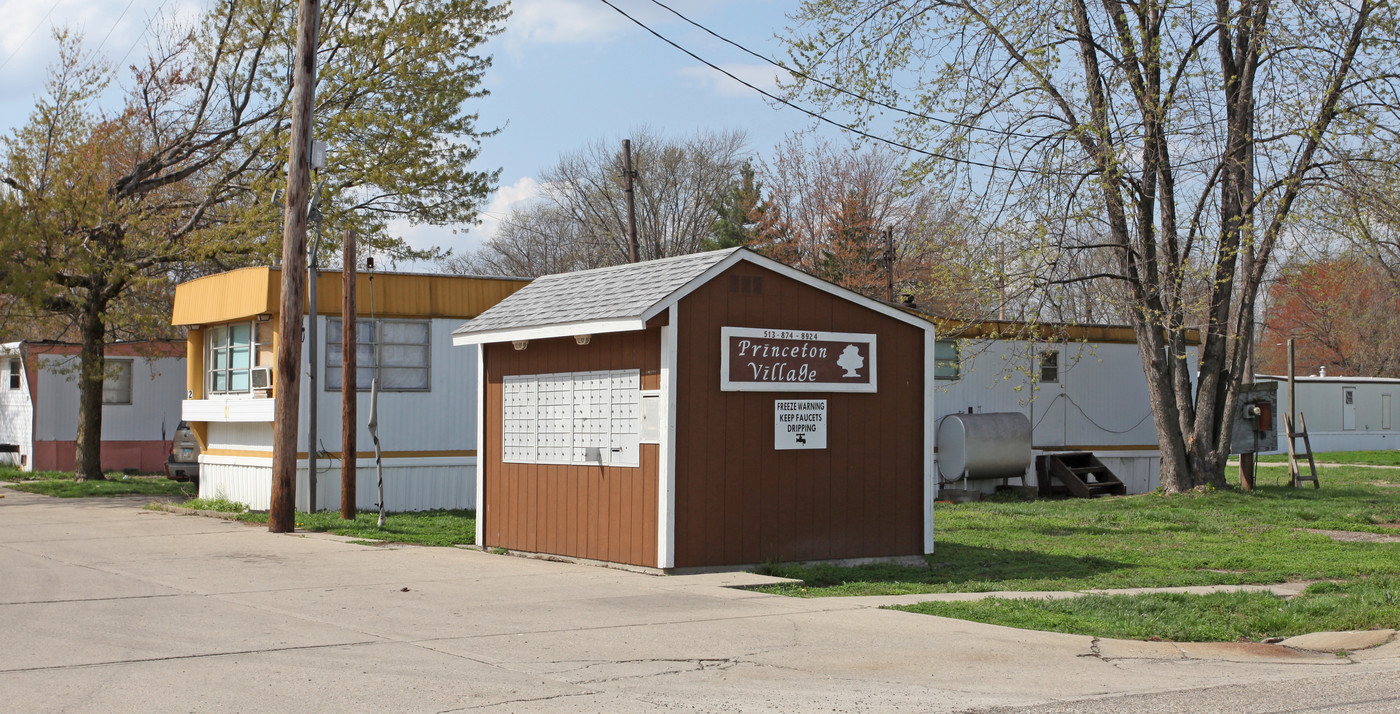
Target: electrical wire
[
  {"x": 142, "y": 35},
  {"x": 1088, "y": 418},
  {"x": 113, "y": 28},
  {"x": 821, "y": 117},
  {"x": 27, "y": 37},
  {"x": 838, "y": 89}
]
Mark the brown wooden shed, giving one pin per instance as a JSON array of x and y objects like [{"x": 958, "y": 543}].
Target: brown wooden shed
[{"x": 715, "y": 409}]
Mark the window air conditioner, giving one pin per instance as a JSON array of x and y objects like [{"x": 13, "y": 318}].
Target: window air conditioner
[{"x": 262, "y": 377}]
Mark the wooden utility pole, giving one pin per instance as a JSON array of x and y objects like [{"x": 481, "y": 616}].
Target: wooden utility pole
[
  {"x": 1292, "y": 405},
  {"x": 889, "y": 265},
  {"x": 348, "y": 394},
  {"x": 282, "y": 514},
  {"x": 633, "y": 249}
]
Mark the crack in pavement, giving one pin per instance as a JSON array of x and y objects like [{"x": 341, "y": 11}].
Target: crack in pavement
[
  {"x": 204, "y": 655},
  {"x": 697, "y": 664},
  {"x": 520, "y": 701},
  {"x": 91, "y": 599}
]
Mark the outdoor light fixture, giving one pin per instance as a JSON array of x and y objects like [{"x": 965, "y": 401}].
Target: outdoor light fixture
[
  {"x": 583, "y": 339},
  {"x": 520, "y": 344},
  {"x": 264, "y": 317}
]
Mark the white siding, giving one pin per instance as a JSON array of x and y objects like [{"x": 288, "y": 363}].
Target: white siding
[
  {"x": 236, "y": 479},
  {"x": 157, "y": 387},
  {"x": 16, "y": 413},
  {"x": 441, "y": 419},
  {"x": 409, "y": 484},
  {"x": 1320, "y": 400},
  {"x": 228, "y": 409},
  {"x": 242, "y": 436},
  {"x": 1100, "y": 401}
]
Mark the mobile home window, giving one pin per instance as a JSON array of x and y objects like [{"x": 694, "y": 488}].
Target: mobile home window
[
  {"x": 946, "y": 364},
  {"x": 233, "y": 351},
  {"x": 398, "y": 351},
  {"x": 580, "y": 418},
  {"x": 116, "y": 386},
  {"x": 14, "y": 374},
  {"x": 1050, "y": 366}
]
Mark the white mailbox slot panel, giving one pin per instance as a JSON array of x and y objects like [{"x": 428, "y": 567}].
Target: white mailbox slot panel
[{"x": 585, "y": 418}]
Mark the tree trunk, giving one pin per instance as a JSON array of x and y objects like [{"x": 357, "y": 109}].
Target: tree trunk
[{"x": 92, "y": 372}]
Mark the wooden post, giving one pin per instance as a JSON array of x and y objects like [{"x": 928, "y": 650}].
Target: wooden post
[
  {"x": 634, "y": 251},
  {"x": 348, "y": 394},
  {"x": 286, "y": 410}
]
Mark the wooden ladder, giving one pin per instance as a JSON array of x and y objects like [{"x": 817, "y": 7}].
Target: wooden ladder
[
  {"x": 1077, "y": 474},
  {"x": 1295, "y": 478}
]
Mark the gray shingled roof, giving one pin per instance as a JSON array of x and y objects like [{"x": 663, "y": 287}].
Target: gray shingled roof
[{"x": 619, "y": 292}]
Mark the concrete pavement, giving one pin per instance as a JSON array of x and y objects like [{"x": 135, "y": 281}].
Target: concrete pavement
[{"x": 108, "y": 607}]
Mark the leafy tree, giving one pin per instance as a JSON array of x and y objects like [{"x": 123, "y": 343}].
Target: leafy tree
[
  {"x": 104, "y": 208},
  {"x": 1343, "y": 314},
  {"x": 1176, "y": 136},
  {"x": 740, "y": 213}
]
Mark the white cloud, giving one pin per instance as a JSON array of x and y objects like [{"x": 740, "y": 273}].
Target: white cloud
[
  {"x": 590, "y": 21},
  {"x": 763, "y": 76},
  {"x": 463, "y": 239},
  {"x": 498, "y": 210},
  {"x": 562, "y": 21}
]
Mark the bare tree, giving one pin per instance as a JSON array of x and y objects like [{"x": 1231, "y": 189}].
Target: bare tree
[
  {"x": 1177, "y": 136},
  {"x": 834, "y": 212},
  {"x": 580, "y": 220}
]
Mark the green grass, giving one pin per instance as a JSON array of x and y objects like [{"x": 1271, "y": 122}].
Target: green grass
[
  {"x": 62, "y": 485},
  {"x": 1374, "y": 458},
  {"x": 13, "y": 475},
  {"x": 221, "y": 505},
  {"x": 1153, "y": 540},
  {"x": 1219, "y": 617},
  {"x": 438, "y": 528}
]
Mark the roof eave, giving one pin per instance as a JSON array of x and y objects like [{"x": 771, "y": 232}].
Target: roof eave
[{"x": 542, "y": 332}]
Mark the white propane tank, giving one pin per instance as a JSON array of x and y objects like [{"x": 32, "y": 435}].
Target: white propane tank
[{"x": 977, "y": 446}]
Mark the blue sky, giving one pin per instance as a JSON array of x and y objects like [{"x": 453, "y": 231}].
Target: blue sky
[{"x": 566, "y": 72}]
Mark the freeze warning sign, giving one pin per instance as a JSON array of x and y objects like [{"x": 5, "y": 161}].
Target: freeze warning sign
[{"x": 799, "y": 424}]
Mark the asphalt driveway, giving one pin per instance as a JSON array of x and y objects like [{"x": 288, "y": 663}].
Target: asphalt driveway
[{"x": 108, "y": 607}]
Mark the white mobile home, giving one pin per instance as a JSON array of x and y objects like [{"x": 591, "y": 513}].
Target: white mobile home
[
  {"x": 1343, "y": 413},
  {"x": 1081, "y": 388},
  {"x": 140, "y": 405},
  {"x": 427, "y": 401}
]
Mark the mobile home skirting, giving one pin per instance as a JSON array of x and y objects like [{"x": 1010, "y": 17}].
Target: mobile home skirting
[{"x": 410, "y": 484}]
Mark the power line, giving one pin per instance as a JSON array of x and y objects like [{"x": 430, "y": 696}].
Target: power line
[
  {"x": 114, "y": 26},
  {"x": 837, "y": 89},
  {"x": 813, "y": 114},
  {"x": 141, "y": 36},
  {"x": 25, "y": 41}
]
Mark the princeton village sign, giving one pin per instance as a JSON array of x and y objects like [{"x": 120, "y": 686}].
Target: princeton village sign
[{"x": 762, "y": 360}]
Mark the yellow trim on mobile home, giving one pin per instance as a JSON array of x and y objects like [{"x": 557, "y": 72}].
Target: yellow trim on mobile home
[{"x": 245, "y": 293}]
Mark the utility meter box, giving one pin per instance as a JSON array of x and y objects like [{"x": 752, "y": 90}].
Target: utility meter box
[{"x": 1256, "y": 419}]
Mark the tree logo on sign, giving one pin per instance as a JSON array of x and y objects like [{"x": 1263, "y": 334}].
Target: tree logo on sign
[{"x": 851, "y": 361}]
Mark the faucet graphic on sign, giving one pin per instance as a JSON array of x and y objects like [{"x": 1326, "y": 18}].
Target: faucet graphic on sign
[{"x": 851, "y": 361}]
